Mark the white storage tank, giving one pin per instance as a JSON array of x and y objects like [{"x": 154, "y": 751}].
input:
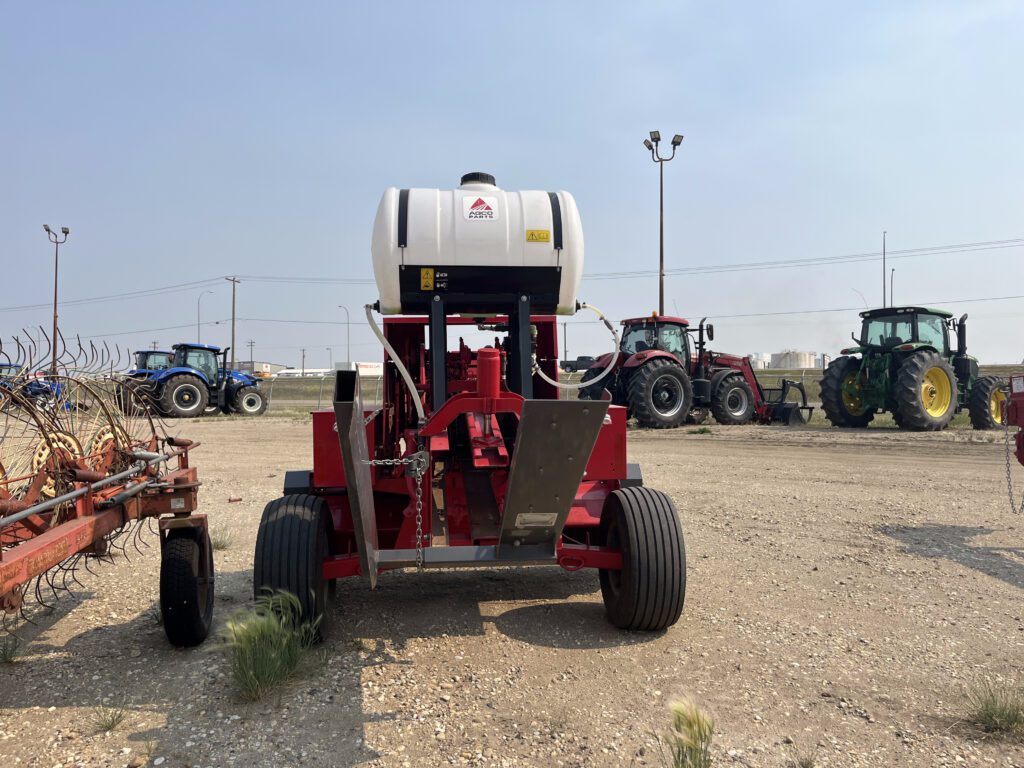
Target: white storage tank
[{"x": 477, "y": 247}]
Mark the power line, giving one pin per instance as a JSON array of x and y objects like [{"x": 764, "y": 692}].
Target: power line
[{"x": 143, "y": 292}]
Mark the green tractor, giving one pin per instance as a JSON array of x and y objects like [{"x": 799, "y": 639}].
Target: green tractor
[{"x": 907, "y": 367}]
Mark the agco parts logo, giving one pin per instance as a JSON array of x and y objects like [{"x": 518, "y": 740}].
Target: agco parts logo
[{"x": 480, "y": 208}]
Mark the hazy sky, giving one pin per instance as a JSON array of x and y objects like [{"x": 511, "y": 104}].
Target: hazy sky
[{"x": 184, "y": 142}]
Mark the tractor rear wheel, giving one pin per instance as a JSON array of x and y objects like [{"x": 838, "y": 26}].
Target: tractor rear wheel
[
  {"x": 183, "y": 397},
  {"x": 648, "y": 593},
  {"x": 841, "y": 399},
  {"x": 291, "y": 545},
  {"x": 926, "y": 392},
  {"x": 660, "y": 394},
  {"x": 988, "y": 398},
  {"x": 186, "y": 585},
  {"x": 249, "y": 401},
  {"x": 733, "y": 401}
]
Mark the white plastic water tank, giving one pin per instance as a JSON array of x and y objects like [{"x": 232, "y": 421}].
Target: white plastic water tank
[{"x": 474, "y": 244}]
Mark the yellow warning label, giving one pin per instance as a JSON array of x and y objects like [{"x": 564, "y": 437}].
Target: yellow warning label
[
  {"x": 538, "y": 235},
  {"x": 426, "y": 278}
]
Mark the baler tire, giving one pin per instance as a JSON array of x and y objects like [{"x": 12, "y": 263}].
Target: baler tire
[
  {"x": 168, "y": 400},
  {"x": 837, "y": 410},
  {"x": 917, "y": 371},
  {"x": 186, "y": 586},
  {"x": 238, "y": 402},
  {"x": 642, "y": 394},
  {"x": 649, "y": 592},
  {"x": 988, "y": 397},
  {"x": 720, "y": 401},
  {"x": 291, "y": 545}
]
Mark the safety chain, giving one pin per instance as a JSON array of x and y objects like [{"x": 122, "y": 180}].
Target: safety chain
[
  {"x": 1009, "y": 477},
  {"x": 418, "y": 463}
]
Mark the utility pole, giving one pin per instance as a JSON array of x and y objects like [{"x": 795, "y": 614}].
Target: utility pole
[
  {"x": 234, "y": 283},
  {"x": 892, "y": 276},
  {"x": 153, "y": 345},
  {"x": 252, "y": 362},
  {"x": 330, "y": 358},
  {"x": 565, "y": 340},
  {"x": 52, "y": 236},
  {"x": 303, "y": 362},
  {"x": 652, "y": 145},
  {"x": 884, "y": 305}
]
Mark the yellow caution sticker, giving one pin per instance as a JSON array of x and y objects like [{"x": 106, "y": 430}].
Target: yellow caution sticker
[
  {"x": 538, "y": 235},
  {"x": 426, "y": 278}
]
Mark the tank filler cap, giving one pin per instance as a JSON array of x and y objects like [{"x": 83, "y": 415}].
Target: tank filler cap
[{"x": 477, "y": 177}]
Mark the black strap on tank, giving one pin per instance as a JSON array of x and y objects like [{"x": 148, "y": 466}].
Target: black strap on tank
[
  {"x": 403, "y": 218},
  {"x": 556, "y": 219}
]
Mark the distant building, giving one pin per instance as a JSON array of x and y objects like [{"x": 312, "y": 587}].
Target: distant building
[
  {"x": 259, "y": 368},
  {"x": 792, "y": 358},
  {"x": 760, "y": 360}
]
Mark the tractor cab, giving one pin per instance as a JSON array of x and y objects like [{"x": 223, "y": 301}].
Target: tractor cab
[
  {"x": 656, "y": 333},
  {"x": 906, "y": 329},
  {"x": 201, "y": 357},
  {"x": 152, "y": 360}
]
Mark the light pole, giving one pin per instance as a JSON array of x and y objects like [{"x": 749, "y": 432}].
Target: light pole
[
  {"x": 861, "y": 297},
  {"x": 52, "y": 236},
  {"x": 330, "y": 358},
  {"x": 348, "y": 335},
  {"x": 303, "y": 363},
  {"x": 199, "y": 335},
  {"x": 652, "y": 145}
]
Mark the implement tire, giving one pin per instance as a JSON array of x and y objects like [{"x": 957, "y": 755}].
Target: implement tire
[
  {"x": 649, "y": 592},
  {"x": 183, "y": 397},
  {"x": 841, "y": 408},
  {"x": 732, "y": 402},
  {"x": 926, "y": 392},
  {"x": 291, "y": 545},
  {"x": 660, "y": 394},
  {"x": 594, "y": 392},
  {"x": 186, "y": 585},
  {"x": 988, "y": 398}
]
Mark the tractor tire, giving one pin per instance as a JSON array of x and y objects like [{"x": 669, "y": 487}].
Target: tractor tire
[
  {"x": 291, "y": 545},
  {"x": 926, "y": 392},
  {"x": 648, "y": 593},
  {"x": 183, "y": 397},
  {"x": 249, "y": 401},
  {"x": 841, "y": 408},
  {"x": 732, "y": 403},
  {"x": 186, "y": 586},
  {"x": 698, "y": 416},
  {"x": 593, "y": 392},
  {"x": 988, "y": 398},
  {"x": 660, "y": 394}
]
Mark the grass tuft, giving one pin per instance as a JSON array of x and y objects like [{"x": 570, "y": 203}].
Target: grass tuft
[
  {"x": 221, "y": 539},
  {"x": 266, "y": 644},
  {"x": 801, "y": 761},
  {"x": 9, "y": 647},
  {"x": 689, "y": 741},
  {"x": 105, "y": 719},
  {"x": 996, "y": 706},
  {"x": 699, "y": 431}
]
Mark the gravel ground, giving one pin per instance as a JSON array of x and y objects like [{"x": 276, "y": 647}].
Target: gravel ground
[{"x": 844, "y": 588}]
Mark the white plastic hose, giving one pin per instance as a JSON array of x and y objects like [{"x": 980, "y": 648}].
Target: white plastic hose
[
  {"x": 607, "y": 369},
  {"x": 398, "y": 364}
]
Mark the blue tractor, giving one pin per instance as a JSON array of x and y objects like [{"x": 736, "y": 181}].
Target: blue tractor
[{"x": 192, "y": 380}]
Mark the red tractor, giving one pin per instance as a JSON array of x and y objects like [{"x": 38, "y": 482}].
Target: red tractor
[
  {"x": 472, "y": 460},
  {"x": 663, "y": 381}
]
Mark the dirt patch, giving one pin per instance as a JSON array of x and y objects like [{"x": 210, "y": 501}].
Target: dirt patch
[{"x": 843, "y": 589}]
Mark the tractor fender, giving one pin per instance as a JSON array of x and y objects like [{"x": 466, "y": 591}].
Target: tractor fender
[
  {"x": 642, "y": 358},
  {"x": 601, "y": 362},
  {"x": 167, "y": 373}
]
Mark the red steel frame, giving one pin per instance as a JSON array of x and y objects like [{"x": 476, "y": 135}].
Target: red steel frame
[
  {"x": 1015, "y": 412},
  {"x": 479, "y": 398},
  {"x": 34, "y": 545}
]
